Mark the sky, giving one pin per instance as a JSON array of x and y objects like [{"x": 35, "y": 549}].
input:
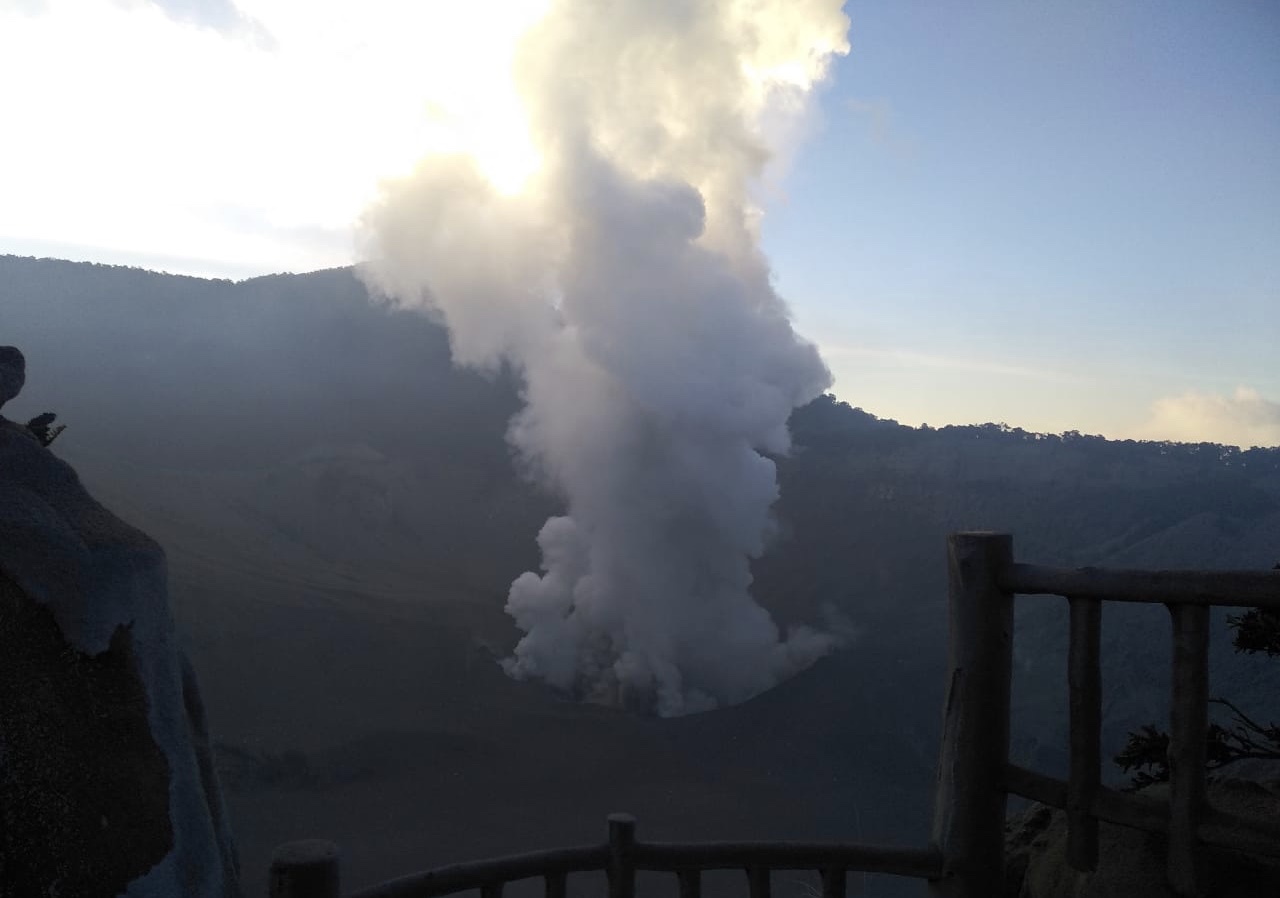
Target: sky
[{"x": 1062, "y": 216}]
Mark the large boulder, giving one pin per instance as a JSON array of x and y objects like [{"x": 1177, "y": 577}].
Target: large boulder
[{"x": 107, "y": 785}]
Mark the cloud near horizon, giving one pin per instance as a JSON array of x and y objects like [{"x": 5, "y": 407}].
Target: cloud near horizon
[{"x": 1245, "y": 418}]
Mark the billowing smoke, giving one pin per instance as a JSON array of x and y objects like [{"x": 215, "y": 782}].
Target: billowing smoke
[{"x": 625, "y": 283}]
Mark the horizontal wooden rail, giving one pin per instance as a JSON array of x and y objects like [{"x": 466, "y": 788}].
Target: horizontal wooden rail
[
  {"x": 1239, "y": 589},
  {"x": 1133, "y": 811},
  {"x": 1219, "y": 828},
  {"x": 688, "y": 860},
  {"x": 673, "y": 857},
  {"x": 462, "y": 877}
]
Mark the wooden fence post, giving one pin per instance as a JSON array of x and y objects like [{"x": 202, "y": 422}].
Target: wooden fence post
[
  {"x": 833, "y": 882},
  {"x": 622, "y": 868},
  {"x": 1188, "y": 734},
  {"x": 970, "y": 799},
  {"x": 1084, "y": 682},
  {"x": 306, "y": 869},
  {"x": 690, "y": 883}
]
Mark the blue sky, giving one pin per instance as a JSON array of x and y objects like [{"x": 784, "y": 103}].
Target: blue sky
[
  {"x": 1057, "y": 215},
  {"x": 1049, "y": 214}
]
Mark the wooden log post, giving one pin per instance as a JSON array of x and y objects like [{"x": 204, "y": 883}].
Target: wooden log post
[
  {"x": 305, "y": 869},
  {"x": 970, "y": 799},
  {"x": 622, "y": 868},
  {"x": 1188, "y": 734},
  {"x": 690, "y": 883},
  {"x": 1084, "y": 681},
  {"x": 833, "y": 882},
  {"x": 556, "y": 885}
]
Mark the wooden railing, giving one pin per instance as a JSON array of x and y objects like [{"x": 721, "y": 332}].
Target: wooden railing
[
  {"x": 984, "y": 580},
  {"x": 310, "y": 869},
  {"x": 974, "y": 776}
]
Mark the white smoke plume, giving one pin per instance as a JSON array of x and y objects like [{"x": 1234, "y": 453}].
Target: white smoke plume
[{"x": 625, "y": 283}]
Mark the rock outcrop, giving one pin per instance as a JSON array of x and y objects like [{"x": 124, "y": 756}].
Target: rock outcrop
[
  {"x": 13, "y": 373},
  {"x": 1131, "y": 863},
  {"x": 107, "y": 785}
]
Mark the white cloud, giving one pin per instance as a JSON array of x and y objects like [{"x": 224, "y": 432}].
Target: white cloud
[
  {"x": 220, "y": 15},
  {"x": 1245, "y": 418}
]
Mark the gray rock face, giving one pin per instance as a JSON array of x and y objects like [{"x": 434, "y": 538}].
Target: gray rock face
[
  {"x": 106, "y": 781},
  {"x": 13, "y": 373}
]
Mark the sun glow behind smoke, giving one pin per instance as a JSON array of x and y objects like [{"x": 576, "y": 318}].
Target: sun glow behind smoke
[
  {"x": 133, "y": 129},
  {"x": 445, "y": 67},
  {"x": 625, "y": 283}
]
